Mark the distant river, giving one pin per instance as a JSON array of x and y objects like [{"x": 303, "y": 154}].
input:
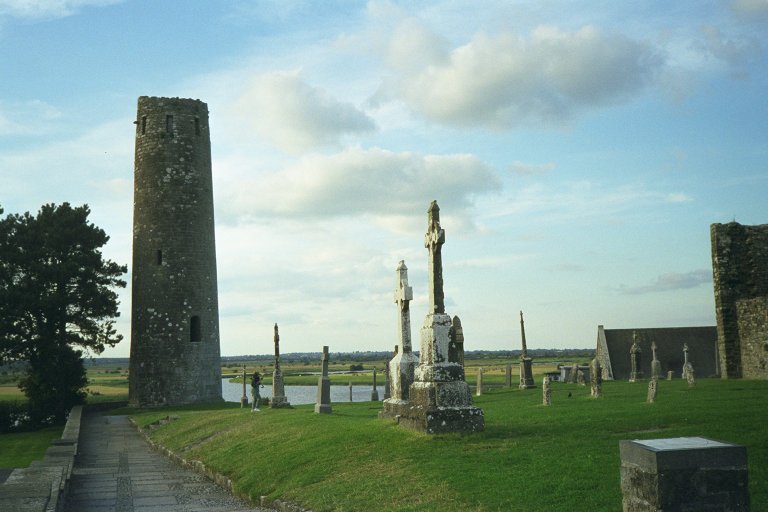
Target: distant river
[{"x": 298, "y": 395}]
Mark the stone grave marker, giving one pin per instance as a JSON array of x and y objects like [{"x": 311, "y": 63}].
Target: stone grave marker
[
  {"x": 655, "y": 363},
  {"x": 683, "y": 474},
  {"x": 653, "y": 386},
  {"x": 323, "y": 403},
  {"x": 479, "y": 387},
  {"x": 278, "y": 387},
  {"x": 526, "y": 371},
  {"x": 546, "y": 390},
  {"x": 595, "y": 378},
  {"x": 375, "y": 392},
  {"x": 635, "y": 353}
]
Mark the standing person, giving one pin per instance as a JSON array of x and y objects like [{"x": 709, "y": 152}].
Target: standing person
[{"x": 255, "y": 385}]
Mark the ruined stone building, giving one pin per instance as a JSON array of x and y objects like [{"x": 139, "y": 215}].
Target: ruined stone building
[
  {"x": 740, "y": 274},
  {"x": 175, "y": 355},
  {"x": 614, "y": 345}
]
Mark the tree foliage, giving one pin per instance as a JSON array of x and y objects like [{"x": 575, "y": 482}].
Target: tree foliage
[{"x": 57, "y": 300}]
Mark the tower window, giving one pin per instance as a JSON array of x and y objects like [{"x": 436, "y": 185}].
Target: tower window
[
  {"x": 197, "y": 126},
  {"x": 194, "y": 329},
  {"x": 169, "y": 124},
  {"x": 159, "y": 257},
  {"x": 143, "y": 125}
]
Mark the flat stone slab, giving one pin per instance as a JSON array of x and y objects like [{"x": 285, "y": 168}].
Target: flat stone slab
[
  {"x": 116, "y": 470},
  {"x": 682, "y": 452}
]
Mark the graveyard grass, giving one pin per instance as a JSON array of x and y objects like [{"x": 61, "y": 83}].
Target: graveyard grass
[{"x": 530, "y": 457}]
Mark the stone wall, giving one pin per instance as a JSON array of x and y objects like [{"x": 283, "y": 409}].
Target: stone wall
[
  {"x": 175, "y": 318},
  {"x": 740, "y": 275}
]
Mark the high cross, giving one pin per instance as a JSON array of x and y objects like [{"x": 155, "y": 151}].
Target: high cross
[
  {"x": 434, "y": 240},
  {"x": 403, "y": 296}
]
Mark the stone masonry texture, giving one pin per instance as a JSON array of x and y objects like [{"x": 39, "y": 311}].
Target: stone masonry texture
[
  {"x": 740, "y": 275},
  {"x": 174, "y": 314}
]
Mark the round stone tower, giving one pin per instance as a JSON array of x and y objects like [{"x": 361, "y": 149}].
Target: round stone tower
[{"x": 175, "y": 356}]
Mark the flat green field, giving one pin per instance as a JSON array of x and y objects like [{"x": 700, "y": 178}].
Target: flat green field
[
  {"x": 530, "y": 457},
  {"x": 18, "y": 450}
]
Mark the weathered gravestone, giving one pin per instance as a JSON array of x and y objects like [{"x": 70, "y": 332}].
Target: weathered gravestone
[
  {"x": 683, "y": 474},
  {"x": 690, "y": 376},
  {"x": 526, "y": 371},
  {"x": 508, "y": 376},
  {"x": 653, "y": 386},
  {"x": 670, "y": 375},
  {"x": 546, "y": 391},
  {"x": 387, "y": 383},
  {"x": 595, "y": 378},
  {"x": 278, "y": 387},
  {"x": 635, "y": 373},
  {"x": 375, "y": 392},
  {"x": 439, "y": 398},
  {"x": 687, "y": 366},
  {"x": 479, "y": 387},
  {"x": 403, "y": 364},
  {"x": 244, "y": 398},
  {"x": 655, "y": 363},
  {"x": 323, "y": 403}
]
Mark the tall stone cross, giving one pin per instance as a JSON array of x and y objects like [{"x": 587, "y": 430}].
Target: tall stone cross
[
  {"x": 685, "y": 353},
  {"x": 403, "y": 296},
  {"x": 433, "y": 241},
  {"x": 653, "y": 348},
  {"x": 277, "y": 348},
  {"x": 522, "y": 331}
]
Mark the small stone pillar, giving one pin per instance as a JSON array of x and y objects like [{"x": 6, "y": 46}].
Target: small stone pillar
[
  {"x": 526, "y": 371},
  {"x": 375, "y": 392},
  {"x": 655, "y": 363},
  {"x": 323, "y": 403},
  {"x": 350, "y": 391},
  {"x": 596, "y": 378},
  {"x": 690, "y": 376},
  {"x": 653, "y": 386},
  {"x": 244, "y": 398},
  {"x": 508, "y": 376},
  {"x": 479, "y": 390},
  {"x": 670, "y": 375},
  {"x": 546, "y": 391},
  {"x": 387, "y": 392},
  {"x": 683, "y": 473},
  {"x": 636, "y": 372},
  {"x": 278, "y": 387}
]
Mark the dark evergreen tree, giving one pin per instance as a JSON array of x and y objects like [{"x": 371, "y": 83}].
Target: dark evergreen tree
[{"x": 57, "y": 300}]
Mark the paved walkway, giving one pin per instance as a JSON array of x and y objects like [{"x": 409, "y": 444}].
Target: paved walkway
[{"x": 115, "y": 470}]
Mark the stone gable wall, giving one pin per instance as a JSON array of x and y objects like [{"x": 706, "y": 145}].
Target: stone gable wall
[{"x": 740, "y": 276}]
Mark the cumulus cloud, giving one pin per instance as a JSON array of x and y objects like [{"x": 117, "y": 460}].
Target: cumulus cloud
[
  {"x": 518, "y": 167},
  {"x": 356, "y": 181},
  {"x": 33, "y": 117},
  {"x": 295, "y": 116},
  {"x": 504, "y": 80},
  {"x": 751, "y": 8},
  {"x": 37, "y": 9},
  {"x": 671, "y": 281}
]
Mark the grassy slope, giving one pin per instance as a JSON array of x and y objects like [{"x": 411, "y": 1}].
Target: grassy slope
[
  {"x": 19, "y": 450},
  {"x": 566, "y": 456}
]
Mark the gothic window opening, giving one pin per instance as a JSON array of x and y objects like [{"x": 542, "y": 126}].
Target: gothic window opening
[{"x": 194, "y": 329}]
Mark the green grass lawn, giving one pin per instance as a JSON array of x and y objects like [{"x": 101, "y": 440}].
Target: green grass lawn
[
  {"x": 18, "y": 450},
  {"x": 530, "y": 457}
]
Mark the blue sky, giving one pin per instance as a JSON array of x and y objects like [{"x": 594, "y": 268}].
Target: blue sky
[{"x": 579, "y": 153}]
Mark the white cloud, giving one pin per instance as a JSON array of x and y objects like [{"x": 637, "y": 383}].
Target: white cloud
[
  {"x": 375, "y": 182},
  {"x": 672, "y": 281},
  {"x": 27, "y": 118},
  {"x": 751, "y": 8},
  {"x": 504, "y": 81},
  {"x": 523, "y": 168},
  {"x": 48, "y": 8},
  {"x": 294, "y": 116}
]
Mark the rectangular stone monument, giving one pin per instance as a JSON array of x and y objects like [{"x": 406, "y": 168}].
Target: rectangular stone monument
[
  {"x": 479, "y": 387},
  {"x": 508, "y": 376},
  {"x": 323, "y": 403},
  {"x": 683, "y": 474}
]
